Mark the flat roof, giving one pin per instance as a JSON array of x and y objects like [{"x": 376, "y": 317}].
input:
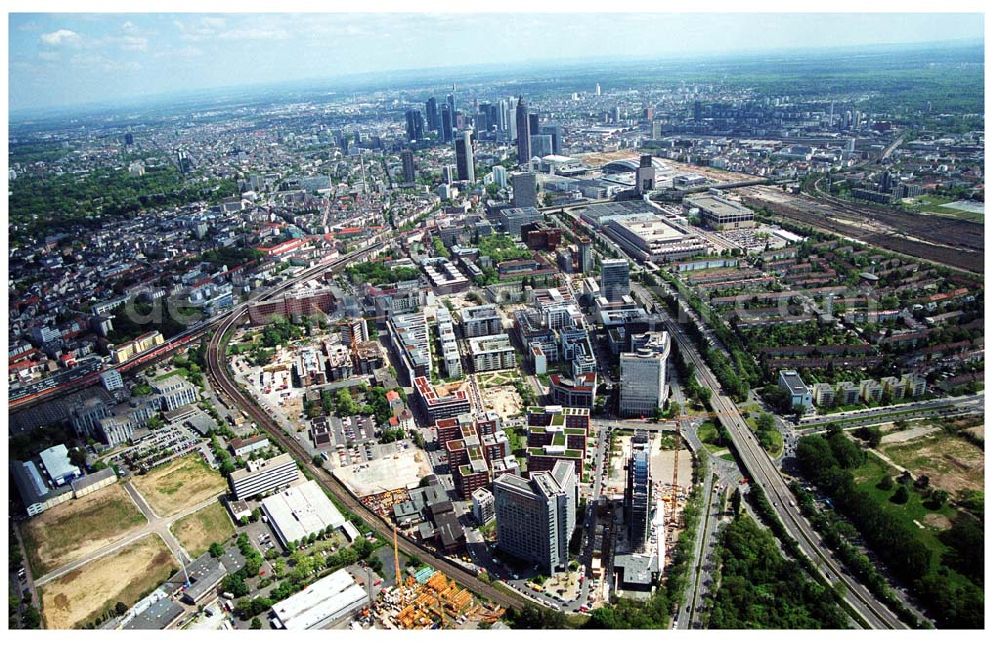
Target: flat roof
[
  {"x": 55, "y": 459},
  {"x": 325, "y": 599},
  {"x": 302, "y": 510}
]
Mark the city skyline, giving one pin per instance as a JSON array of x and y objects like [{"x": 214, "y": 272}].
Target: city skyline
[{"x": 60, "y": 60}]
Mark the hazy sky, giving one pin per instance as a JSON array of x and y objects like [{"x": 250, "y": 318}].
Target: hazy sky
[{"x": 79, "y": 58}]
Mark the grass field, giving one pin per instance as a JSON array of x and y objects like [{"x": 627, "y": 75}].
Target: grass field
[
  {"x": 85, "y": 594},
  {"x": 934, "y": 204},
  {"x": 179, "y": 484},
  {"x": 928, "y": 521},
  {"x": 76, "y": 528},
  {"x": 202, "y": 528},
  {"x": 951, "y": 462}
]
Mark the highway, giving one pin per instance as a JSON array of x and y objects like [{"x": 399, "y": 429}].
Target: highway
[
  {"x": 764, "y": 472},
  {"x": 222, "y": 379}
]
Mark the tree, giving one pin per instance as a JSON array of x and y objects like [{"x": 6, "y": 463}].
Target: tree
[
  {"x": 885, "y": 484},
  {"x": 318, "y": 460},
  {"x": 216, "y": 550},
  {"x": 255, "y": 624},
  {"x": 901, "y": 496},
  {"x": 120, "y": 608}
]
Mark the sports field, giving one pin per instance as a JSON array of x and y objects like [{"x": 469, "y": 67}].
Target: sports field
[
  {"x": 180, "y": 484},
  {"x": 76, "y": 528},
  {"x": 202, "y": 528},
  {"x": 87, "y": 593}
]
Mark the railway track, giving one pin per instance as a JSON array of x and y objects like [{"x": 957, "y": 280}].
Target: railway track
[{"x": 222, "y": 379}]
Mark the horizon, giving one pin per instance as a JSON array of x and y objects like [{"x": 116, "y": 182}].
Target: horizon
[{"x": 116, "y": 59}]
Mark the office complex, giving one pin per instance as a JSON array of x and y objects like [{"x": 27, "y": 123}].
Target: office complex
[
  {"x": 719, "y": 213},
  {"x": 482, "y": 320},
  {"x": 614, "y": 278},
  {"x": 536, "y": 516},
  {"x": 433, "y": 115},
  {"x": 644, "y": 374},
  {"x": 263, "y": 476}
]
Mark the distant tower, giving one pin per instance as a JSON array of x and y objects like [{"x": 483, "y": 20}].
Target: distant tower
[
  {"x": 414, "y": 125},
  {"x": 597, "y": 89},
  {"x": 433, "y": 116},
  {"x": 409, "y": 171},
  {"x": 451, "y": 107},
  {"x": 523, "y": 133},
  {"x": 464, "y": 157},
  {"x": 446, "y": 124}
]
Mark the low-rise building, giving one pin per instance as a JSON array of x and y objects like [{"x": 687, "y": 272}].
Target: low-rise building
[{"x": 263, "y": 476}]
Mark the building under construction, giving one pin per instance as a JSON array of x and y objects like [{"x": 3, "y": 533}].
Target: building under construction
[{"x": 428, "y": 599}]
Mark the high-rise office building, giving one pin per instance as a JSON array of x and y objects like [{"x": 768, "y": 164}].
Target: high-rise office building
[
  {"x": 638, "y": 487},
  {"x": 614, "y": 278},
  {"x": 541, "y": 145},
  {"x": 446, "y": 124},
  {"x": 523, "y": 133},
  {"x": 525, "y": 190},
  {"x": 414, "y": 125},
  {"x": 500, "y": 176},
  {"x": 586, "y": 255},
  {"x": 464, "y": 157},
  {"x": 697, "y": 110},
  {"x": 536, "y": 516},
  {"x": 503, "y": 110},
  {"x": 446, "y": 175},
  {"x": 645, "y": 175},
  {"x": 409, "y": 171},
  {"x": 533, "y": 123},
  {"x": 597, "y": 89},
  {"x": 451, "y": 109},
  {"x": 433, "y": 116},
  {"x": 643, "y": 374},
  {"x": 554, "y": 130}
]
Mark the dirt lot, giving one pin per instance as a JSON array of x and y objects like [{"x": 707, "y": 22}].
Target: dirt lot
[
  {"x": 504, "y": 401},
  {"x": 179, "y": 484},
  {"x": 84, "y": 594},
  {"x": 950, "y": 462},
  {"x": 404, "y": 469},
  {"x": 73, "y": 529},
  {"x": 202, "y": 528}
]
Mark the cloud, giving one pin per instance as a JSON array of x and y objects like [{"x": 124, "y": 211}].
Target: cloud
[
  {"x": 49, "y": 56},
  {"x": 134, "y": 43},
  {"x": 61, "y": 37}
]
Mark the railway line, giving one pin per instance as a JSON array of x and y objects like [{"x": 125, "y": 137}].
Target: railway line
[{"x": 223, "y": 381}]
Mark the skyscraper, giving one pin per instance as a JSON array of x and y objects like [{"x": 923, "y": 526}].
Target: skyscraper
[
  {"x": 645, "y": 175},
  {"x": 500, "y": 176},
  {"x": 536, "y": 516},
  {"x": 414, "y": 125},
  {"x": 637, "y": 491},
  {"x": 643, "y": 374},
  {"x": 464, "y": 157},
  {"x": 523, "y": 133},
  {"x": 597, "y": 89},
  {"x": 586, "y": 255},
  {"x": 451, "y": 108},
  {"x": 433, "y": 116},
  {"x": 409, "y": 171},
  {"x": 614, "y": 279},
  {"x": 554, "y": 130},
  {"x": 533, "y": 122},
  {"x": 446, "y": 124},
  {"x": 446, "y": 175},
  {"x": 525, "y": 190}
]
